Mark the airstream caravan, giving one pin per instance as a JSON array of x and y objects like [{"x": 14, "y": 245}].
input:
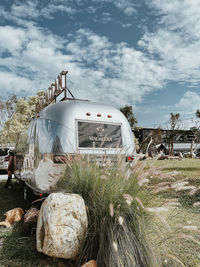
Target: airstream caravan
[{"x": 63, "y": 129}]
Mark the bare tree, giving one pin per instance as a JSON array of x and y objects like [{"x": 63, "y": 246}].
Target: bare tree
[{"x": 174, "y": 123}]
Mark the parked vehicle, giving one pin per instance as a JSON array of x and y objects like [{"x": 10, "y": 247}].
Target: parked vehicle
[
  {"x": 4, "y": 157},
  {"x": 64, "y": 129}
]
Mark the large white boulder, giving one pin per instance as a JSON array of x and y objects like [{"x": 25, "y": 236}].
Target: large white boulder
[{"x": 62, "y": 225}]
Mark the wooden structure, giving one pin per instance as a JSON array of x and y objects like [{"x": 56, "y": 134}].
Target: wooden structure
[{"x": 54, "y": 90}]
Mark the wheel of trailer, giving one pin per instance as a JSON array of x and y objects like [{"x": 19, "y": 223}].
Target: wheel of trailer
[{"x": 28, "y": 194}]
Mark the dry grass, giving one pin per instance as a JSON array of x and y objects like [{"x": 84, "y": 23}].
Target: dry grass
[
  {"x": 167, "y": 202},
  {"x": 180, "y": 194},
  {"x": 117, "y": 217},
  {"x": 158, "y": 199}
]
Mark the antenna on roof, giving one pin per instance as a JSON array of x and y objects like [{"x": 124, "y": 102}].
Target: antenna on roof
[{"x": 54, "y": 90}]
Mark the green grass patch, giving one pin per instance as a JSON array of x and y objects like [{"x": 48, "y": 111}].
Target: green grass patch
[
  {"x": 184, "y": 220},
  {"x": 187, "y": 168},
  {"x": 18, "y": 248}
]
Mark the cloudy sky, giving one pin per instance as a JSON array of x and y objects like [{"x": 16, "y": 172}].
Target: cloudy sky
[{"x": 144, "y": 53}]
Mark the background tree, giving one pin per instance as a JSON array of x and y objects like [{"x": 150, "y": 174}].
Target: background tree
[
  {"x": 174, "y": 125},
  {"x": 18, "y": 122},
  {"x": 7, "y": 108},
  {"x": 128, "y": 113},
  {"x": 198, "y": 113},
  {"x": 196, "y": 131}
]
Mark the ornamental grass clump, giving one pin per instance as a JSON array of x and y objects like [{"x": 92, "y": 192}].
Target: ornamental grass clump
[{"x": 117, "y": 219}]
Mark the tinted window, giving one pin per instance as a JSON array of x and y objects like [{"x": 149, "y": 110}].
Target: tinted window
[
  {"x": 4, "y": 152},
  {"x": 99, "y": 135}
]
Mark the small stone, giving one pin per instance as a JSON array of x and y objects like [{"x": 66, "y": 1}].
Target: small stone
[
  {"x": 11, "y": 216},
  {"x": 196, "y": 204}
]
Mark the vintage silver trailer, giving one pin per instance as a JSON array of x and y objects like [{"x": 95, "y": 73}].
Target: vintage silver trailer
[{"x": 64, "y": 129}]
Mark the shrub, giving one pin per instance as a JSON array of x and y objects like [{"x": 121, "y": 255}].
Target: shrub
[{"x": 116, "y": 215}]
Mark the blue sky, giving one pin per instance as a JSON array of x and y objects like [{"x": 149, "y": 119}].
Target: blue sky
[{"x": 144, "y": 53}]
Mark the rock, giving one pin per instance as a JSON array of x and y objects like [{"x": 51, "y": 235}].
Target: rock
[
  {"x": 62, "y": 225},
  {"x": 91, "y": 263},
  {"x": 31, "y": 215},
  {"x": 30, "y": 219},
  {"x": 196, "y": 204},
  {"x": 14, "y": 215}
]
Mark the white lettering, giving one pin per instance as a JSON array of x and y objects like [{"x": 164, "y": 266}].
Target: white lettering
[{"x": 100, "y": 139}]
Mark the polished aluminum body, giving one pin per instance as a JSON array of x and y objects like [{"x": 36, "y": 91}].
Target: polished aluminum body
[{"x": 53, "y": 134}]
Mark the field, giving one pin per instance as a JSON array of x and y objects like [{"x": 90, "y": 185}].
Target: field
[
  {"x": 169, "y": 180},
  {"x": 185, "y": 220}
]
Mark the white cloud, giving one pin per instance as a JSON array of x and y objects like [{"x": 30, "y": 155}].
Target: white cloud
[
  {"x": 35, "y": 10},
  {"x": 126, "y": 25},
  {"x": 14, "y": 84},
  {"x": 157, "y": 114},
  {"x": 35, "y": 56},
  {"x": 129, "y": 11},
  {"x": 52, "y": 8},
  {"x": 126, "y": 6},
  {"x": 12, "y": 39},
  {"x": 106, "y": 17},
  {"x": 189, "y": 103},
  {"x": 97, "y": 67},
  {"x": 126, "y": 74},
  {"x": 186, "y": 107},
  {"x": 176, "y": 40},
  {"x": 179, "y": 14},
  {"x": 24, "y": 12}
]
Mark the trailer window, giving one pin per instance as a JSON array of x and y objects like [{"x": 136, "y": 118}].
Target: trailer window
[
  {"x": 52, "y": 137},
  {"x": 99, "y": 135},
  {"x": 22, "y": 144}
]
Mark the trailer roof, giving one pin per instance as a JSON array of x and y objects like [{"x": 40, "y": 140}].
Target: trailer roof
[{"x": 81, "y": 109}]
